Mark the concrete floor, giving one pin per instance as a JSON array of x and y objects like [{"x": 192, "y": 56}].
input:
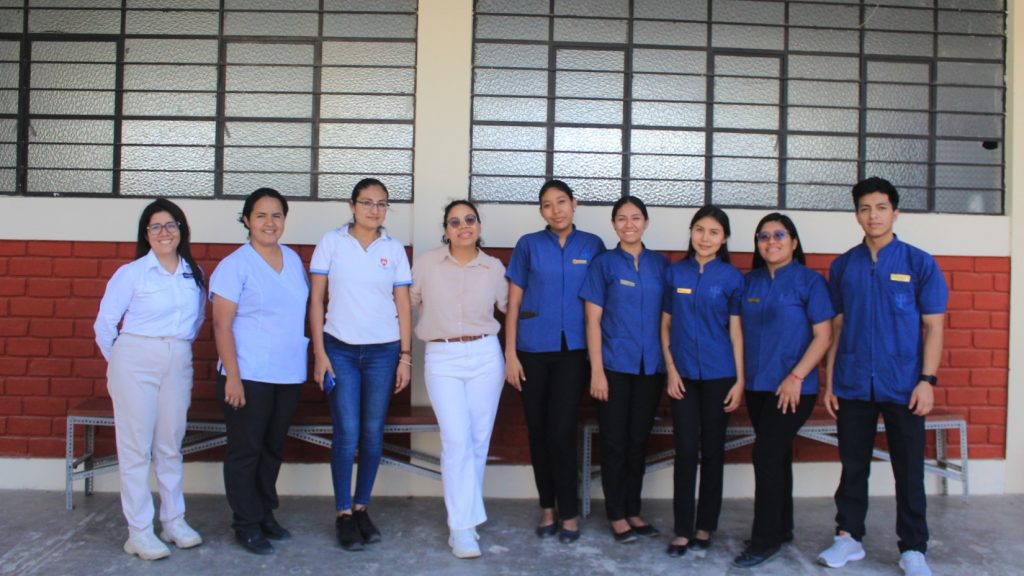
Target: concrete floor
[{"x": 37, "y": 537}]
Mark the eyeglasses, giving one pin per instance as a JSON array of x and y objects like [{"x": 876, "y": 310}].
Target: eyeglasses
[
  {"x": 171, "y": 227},
  {"x": 370, "y": 205},
  {"x": 470, "y": 220},
  {"x": 779, "y": 235}
]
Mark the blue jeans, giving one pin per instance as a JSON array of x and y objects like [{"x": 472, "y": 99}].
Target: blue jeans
[{"x": 359, "y": 405}]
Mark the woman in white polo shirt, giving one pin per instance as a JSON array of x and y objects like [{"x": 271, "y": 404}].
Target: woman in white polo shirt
[
  {"x": 259, "y": 295},
  {"x": 363, "y": 344},
  {"x": 160, "y": 298}
]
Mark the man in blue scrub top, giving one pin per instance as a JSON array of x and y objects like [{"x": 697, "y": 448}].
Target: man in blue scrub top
[{"x": 890, "y": 299}]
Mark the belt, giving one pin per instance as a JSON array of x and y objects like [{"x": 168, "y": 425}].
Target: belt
[{"x": 460, "y": 338}]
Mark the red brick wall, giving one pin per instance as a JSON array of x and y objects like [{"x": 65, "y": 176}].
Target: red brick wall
[{"x": 50, "y": 292}]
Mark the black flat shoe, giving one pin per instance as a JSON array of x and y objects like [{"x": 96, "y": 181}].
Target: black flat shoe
[
  {"x": 627, "y": 537},
  {"x": 274, "y": 531},
  {"x": 546, "y": 531},
  {"x": 367, "y": 530},
  {"x": 700, "y": 544},
  {"x": 566, "y": 536},
  {"x": 677, "y": 550},
  {"x": 348, "y": 534},
  {"x": 254, "y": 542},
  {"x": 750, "y": 557},
  {"x": 645, "y": 530}
]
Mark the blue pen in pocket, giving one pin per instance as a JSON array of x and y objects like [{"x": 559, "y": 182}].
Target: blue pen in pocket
[{"x": 329, "y": 382}]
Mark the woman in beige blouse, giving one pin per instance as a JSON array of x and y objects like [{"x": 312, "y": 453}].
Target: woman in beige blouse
[{"x": 457, "y": 287}]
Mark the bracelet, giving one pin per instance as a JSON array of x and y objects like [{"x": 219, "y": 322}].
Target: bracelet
[
  {"x": 406, "y": 362},
  {"x": 798, "y": 379},
  {"x": 405, "y": 353}
]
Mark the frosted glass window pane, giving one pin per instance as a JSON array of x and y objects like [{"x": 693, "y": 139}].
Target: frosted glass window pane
[
  {"x": 971, "y": 202},
  {"x": 898, "y": 72},
  {"x": 76, "y": 103},
  {"x": 971, "y": 22},
  {"x": 370, "y": 25},
  {"x": 817, "y": 197},
  {"x": 823, "y": 93},
  {"x": 821, "y": 171},
  {"x": 817, "y": 15},
  {"x": 511, "y": 82},
  {"x": 668, "y": 193},
  {"x": 167, "y": 77},
  {"x": 367, "y": 161},
  {"x": 913, "y": 199},
  {"x": 181, "y": 4},
  {"x": 70, "y": 156},
  {"x": 70, "y": 181},
  {"x": 340, "y": 186},
  {"x": 592, "y": 190},
  {"x": 292, "y": 5},
  {"x": 669, "y": 33},
  {"x": 892, "y": 96},
  {"x": 970, "y": 73},
  {"x": 823, "y": 119},
  {"x": 71, "y": 131},
  {"x": 376, "y": 6},
  {"x": 589, "y": 84},
  {"x": 509, "y": 137},
  {"x": 901, "y": 20},
  {"x": 745, "y": 66},
  {"x": 990, "y": 5},
  {"x": 824, "y": 67},
  {"x": 243, "y": 183},
  {"x": 752, "y": 37},
  {"x": 169, "y": 104},
  {"x": 512, "y": 28},
  {"x": 669, "y": 87},
  {"x": 10, "y": 51},
  {"x": 513, "y": 6},
  {"x": 674, "y": 61},
  {"x": 166, "y": 158},
  {"x": 74, "y": 51},
  {"x": 368, "y": 80},
  {"x": 749, "y": 117},
  {"x": 897, "y": 122},
  {"x": 366, "y": 135},
  {"x": 271, "y": 24},
  {"x": 745, "y": 169},
  {"x": 588, "y": 111},
  {"x": 588, "y": 139},
  {"x": 94, "y": 76},
  {"x": 75, "y": 21},
  {"x": 966, "y": 152},
  {"x": 812, "y": 40},
  {"x": 267, "y": 134},
  {"x": 729, "y": 144},
  {"x": 367, "y": 107},
  {"x": 589, "y": 60},
  {"x": 255, "y": 159},
  {"x": 491, "y": 189},
  {"x": 7, "y": 182},
  {"x": 511, "y": 55},
  {"x": 670, "y": 10},
  {"x": 668, "y": 114},
  {"x": 744, "y": 194},
  {"x": 748, "y": 12},
  {"x": 897, "y": 44},
  {"x": 510, "y": 109},
  {"x": 896, "y": 149},
  {"x": 613, "y": 8},
  {"x": 988, "y": 100},
  {"x": 269, "y": 105},
  {"x": 269, "y": 79},
  {"x": 588, "y": 165},
  {"x": 177, "y": 184},
  {"x": 585, "y": 30},
  {"x": 178, "y": 52},
  {"x": 172, "y": 22},
  {"x": 241, "y": 53},
  {"x": 666, "y": 167},
  {"x": 667, "y": 142},
  {"x": 8, "y": 101},
  {"x": 953, "y": 176},
  {"x": 826, "y": 148},
  {"x": 368, "y": 54},
  {"x": 912, "y": 175},
  {"x": 746, "y": 90},
  {"x": 969, "y": 126},
  {"x": 167, "y": 132},
  {"x": 9, "y": 76},
  {"x": 509, "y": 163},
  {"x": 10, "y": 23}
]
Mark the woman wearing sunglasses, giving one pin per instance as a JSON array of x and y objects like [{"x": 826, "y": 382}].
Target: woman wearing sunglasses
[
  {"x": 623, "y": 294},
  {"x": 457, "y": 288},
  {"x": 363, "y": 344},
  {"x": 786, "y": 312},
  {"x": 545, "y": 351}
]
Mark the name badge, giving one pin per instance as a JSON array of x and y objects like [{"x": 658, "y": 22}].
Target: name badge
[
  {"x": 684, "y": 291},
  {"x": 187, "y": 275},
  {"x": 899, "y": 277},
  {"x": 579, "y": 261},
  {"x": 753, "y": 300},
  {"x": 625, "y": 282}
]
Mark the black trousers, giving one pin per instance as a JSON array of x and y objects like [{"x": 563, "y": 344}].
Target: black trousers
[
  {"x": 773, "y": 465},
  {"x": 551, "y": 403},
  {"x": 699, "y": 423},
  {"x": 905, "y": 433},
  {"x": 626, "y": 420},
  {"x": 256, "y": 434}
]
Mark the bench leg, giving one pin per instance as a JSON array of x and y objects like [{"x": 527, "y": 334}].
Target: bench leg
[
  {"x": 90, "y": 441},
  {"x": 69, "y": 464},
  {"x": 963, "y": 461},
  {"x": 941, "y": 458}
]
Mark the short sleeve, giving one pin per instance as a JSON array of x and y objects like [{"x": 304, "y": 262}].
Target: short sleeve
[
  {"x": 321, "y": 261},
  {"x": 403, "y": 274},
  {"x": 835, "y": 283},
  {"x": 501, "y": 288},
  {"x": 819, "y": 302},
  {"x": 734, "y": 293},
  {"x": 593, "y": 286},
  {"x": 228, "y": 279},
  {"x": 519, "y": 264},
  {"x": 933, "y": 293},
  {"x": 668, "y": 291}
]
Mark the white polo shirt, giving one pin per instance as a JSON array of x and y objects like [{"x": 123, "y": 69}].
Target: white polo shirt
[
  {"x": 361, "y": 286},
  {"x": 270, "y": 321}
]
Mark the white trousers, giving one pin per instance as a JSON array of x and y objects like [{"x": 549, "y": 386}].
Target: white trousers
[
  {"x": 150, "y": 383},
  {"x": 464, "y": 382}
]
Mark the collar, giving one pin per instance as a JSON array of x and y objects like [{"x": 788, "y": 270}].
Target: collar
[
  {"x": 150, "y": 261},
  {"x": 343, "y": 231},
  {"x": 479, "y": 260},
  {"x": 643, "y": 252},
  {"x": 784, "y": 270},
  {"x": 554, "y": 236},
  {"x": 692, "y": 263},
  {"x": 885, "y": 250}
]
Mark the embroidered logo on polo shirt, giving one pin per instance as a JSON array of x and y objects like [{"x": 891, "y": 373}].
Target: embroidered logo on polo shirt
[
  {"x": 383, "y": 262},
  {"x": 899, "y": 277},
  {"x": 625, "y": 282},
  {"x": 579, "y": 260},
  {"x": 684, "y": 291}
]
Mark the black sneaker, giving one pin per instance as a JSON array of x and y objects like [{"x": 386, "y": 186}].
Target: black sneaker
[
  {"x": 348, "y": 534},
  {"x": 254, "y": 542},
  {"x": 274, "y": 531},
  {"x": 368, "y": 531}
]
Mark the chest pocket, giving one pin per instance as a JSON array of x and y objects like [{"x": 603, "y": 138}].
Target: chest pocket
[{"x": 902, "y": 295}]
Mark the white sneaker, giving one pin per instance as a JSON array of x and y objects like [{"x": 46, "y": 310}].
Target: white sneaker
[
  {"x": 914, "y": 564},
  {"x": 179, "y": 532},
  {"x": 146, "y": 545},
  {"x": 843, "y": 549},
  {"x": 463, "y": 544}
]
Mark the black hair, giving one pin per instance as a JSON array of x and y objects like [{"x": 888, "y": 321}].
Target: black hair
[
  {"x": 787, "y": 223},
  {"x": 629, "y": 200},
  {"x": 719, "y": 215},
  {"x": 875, "y": 184},
  {"x": 142, "y": 246},
  {"x": 557, "y": 185},
  {"x": 448, "y": 209},
  {"x": 363, "y": 185},
  {"x": 256, "y": 196}
]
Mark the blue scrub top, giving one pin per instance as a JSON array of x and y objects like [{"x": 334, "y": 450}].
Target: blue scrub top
[
  {"x": 700, "y": 305},
  {"x": 778, "y": 316},
  {"x": 879, "y": 355},
  {"x": 550, "y": 276},
  {"x": 631, "y": 300}
]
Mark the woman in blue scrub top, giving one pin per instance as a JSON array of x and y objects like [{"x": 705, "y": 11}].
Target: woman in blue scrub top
[
  {"x": 702, "y": 342},
  {"x": 623, "y": 294},
  {"x": 259, "y": 295},
  {"x": 787, "y": 313},
  {"x": 545, "y": 351}
]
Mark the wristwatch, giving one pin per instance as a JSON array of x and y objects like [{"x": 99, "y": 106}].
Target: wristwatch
[{"x": 929, "y": 378}]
